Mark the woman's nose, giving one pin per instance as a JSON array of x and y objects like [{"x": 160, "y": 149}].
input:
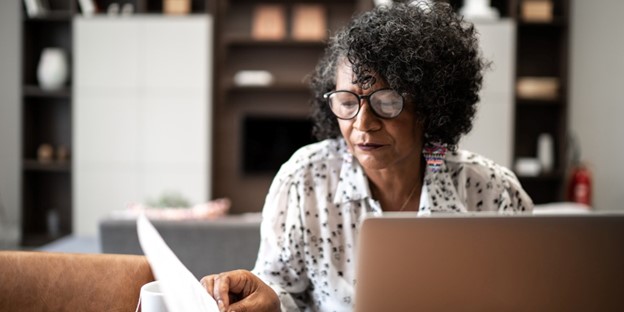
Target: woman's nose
[{"x": 366, "y": 120}]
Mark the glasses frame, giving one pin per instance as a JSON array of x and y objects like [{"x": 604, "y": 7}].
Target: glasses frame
[{"x": 367, "y": 98}]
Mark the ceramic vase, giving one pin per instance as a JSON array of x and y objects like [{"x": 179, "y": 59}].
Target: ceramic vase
[{"x": 52, "y": 70}]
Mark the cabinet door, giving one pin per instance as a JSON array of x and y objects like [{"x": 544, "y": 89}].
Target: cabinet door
[
  {"x": 107, "y": 53},
  {"x": 176, "y": 52},
  {"x": 492, "y": 132},
  {"x": 142, "y": 114}
]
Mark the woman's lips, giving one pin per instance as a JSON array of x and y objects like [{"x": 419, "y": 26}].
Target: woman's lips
[{"x": 369, "y": 146}]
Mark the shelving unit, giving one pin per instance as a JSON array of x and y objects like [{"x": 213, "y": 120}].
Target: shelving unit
[
  {"x": 46, "y": 119},
  {"x": 541, "y": 51},
  {"x": 280, "y": 107},
  {"x": 47, "y": 208}
]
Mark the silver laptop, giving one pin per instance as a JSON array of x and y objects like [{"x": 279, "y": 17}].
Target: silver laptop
[{"x": 491, "y": 263}]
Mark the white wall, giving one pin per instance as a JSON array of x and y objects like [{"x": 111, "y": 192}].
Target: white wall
[
  {"x": 10, "y": 129},
  {"x": 597, "y": 95}
]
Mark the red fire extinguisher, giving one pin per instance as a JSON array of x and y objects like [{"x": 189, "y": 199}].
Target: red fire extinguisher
[{"x": 580, "y": 185}]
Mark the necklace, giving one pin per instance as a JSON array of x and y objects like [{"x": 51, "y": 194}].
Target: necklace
[{"x": 409, "y": 197}]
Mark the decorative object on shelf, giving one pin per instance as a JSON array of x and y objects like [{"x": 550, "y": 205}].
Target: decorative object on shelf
[
  {"x": 269, "y": 22},
  {"x": 385, "y": 2},
  {"x": 528, "y": 167},
  {"x": 538, "y": 88},
  {"x": 45, "y": 153},
  {"x": 35, "y": 8},
  {"x": 309, "y": 22},
  {"x": 253, "y": 78},
  {"x": 113, "y": 9},
  {"x": 479, "y": 10},
  {"x": 53, "y": 223},
  {"x": 545, "y": 152},
  {"x": 127, "y": 9},
  {"x": 176, "y": 7},
  {"x": 62, "y": 153},
  {"x": 87, "y": 7},
  {"x": 53, "y": 69},
  {"x": 537, "y": 11}
]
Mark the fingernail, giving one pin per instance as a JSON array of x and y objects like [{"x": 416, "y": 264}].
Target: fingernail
[{"x": 221, "y": 306}]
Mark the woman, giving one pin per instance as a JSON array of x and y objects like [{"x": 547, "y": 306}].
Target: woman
[{"x": 393, "y": 94}]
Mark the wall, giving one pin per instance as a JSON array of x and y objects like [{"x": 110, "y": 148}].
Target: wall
[
  {"x": 596, "y": 100},
  {"x": 10, "y": 129}
]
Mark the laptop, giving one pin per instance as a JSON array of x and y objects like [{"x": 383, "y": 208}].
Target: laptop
[{"x": 491, "y": 263}]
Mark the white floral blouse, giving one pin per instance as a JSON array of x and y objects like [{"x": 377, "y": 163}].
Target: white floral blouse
[{"x": 318, "y": 199}]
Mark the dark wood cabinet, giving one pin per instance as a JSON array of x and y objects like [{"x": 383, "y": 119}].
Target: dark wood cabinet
[
  {"x": 46, "y": 119},
  {"x": 541, "y": 51},
  {"x": 279, "y": 110}
]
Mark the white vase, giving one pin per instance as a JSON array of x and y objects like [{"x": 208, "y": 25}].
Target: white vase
[{"x": 53, "y": 69}]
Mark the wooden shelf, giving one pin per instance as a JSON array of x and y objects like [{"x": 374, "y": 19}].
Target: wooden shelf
[
  {"x": 36, "y": 91},
  {"x": 51, "y": 16},
  {"x": 52, "y": 166},
  {"x": 247, "y": 42},
  {"x": 545, "y": 177},
  {"x": 538, "y": 102},
  {"x": 556, "y": 22},
  {"x": 276, "y": 87},
  {"x": 39, "y": 239}
]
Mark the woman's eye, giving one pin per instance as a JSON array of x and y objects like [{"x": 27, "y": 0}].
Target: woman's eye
[{"x": 349, "y": 104}]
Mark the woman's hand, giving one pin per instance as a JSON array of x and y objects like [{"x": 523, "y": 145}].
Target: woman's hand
[{"x": 241, "y": 291}]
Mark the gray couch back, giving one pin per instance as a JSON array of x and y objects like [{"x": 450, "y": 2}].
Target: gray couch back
[{"x": 205, "y": 247}]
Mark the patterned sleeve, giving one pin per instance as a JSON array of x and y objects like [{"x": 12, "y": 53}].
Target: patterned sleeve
[
  {"x": 513, "y": 198},
  {"x": 280, "y": 261},
  {"x": 491, "y": 187}
]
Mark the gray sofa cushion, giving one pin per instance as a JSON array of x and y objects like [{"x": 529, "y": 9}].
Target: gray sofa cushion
[{"x": 205, "y": 247}]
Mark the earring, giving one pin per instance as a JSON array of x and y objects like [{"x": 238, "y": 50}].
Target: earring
[{"x": 434, "y": 154}]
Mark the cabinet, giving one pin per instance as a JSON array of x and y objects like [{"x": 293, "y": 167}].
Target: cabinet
[
  {"x": 142, "y": 112},
  {"x": 258, "y": 127},
  {"x": 541, "y": 55},
  {"x": 49, "y": 188},
  {"x": 540, "y": 50},
  {"x": 46, "y": 119}
]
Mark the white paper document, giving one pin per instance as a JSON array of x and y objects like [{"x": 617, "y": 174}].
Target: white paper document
[{"x": 181, "y": 290}]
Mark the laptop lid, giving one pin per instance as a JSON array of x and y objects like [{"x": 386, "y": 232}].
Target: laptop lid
[{"x": 491, "y": 263}]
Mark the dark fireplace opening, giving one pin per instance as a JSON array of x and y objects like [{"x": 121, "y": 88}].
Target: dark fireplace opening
[{"x": 268, "y": 142}]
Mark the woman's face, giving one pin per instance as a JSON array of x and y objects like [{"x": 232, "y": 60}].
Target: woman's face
[{"x": 379, "y": 143}]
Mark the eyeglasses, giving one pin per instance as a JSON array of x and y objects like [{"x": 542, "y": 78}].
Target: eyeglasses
[{"x": 386, "y": 103}]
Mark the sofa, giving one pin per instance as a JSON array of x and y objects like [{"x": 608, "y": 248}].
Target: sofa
[
  {"x": 48, "y": 281},
  {"x": 204, "y": 246}
]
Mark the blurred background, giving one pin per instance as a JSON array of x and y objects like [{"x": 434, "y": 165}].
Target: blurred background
[{"x": 105, "y": 104}]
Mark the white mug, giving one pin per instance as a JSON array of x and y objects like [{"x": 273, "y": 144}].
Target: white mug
[{"x": 152, "y": 299}]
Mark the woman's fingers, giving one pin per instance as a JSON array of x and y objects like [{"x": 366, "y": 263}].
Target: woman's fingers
[
  {"x": 222, "y": 290},
  {"x": 239, "y": 290},
  {"x": 208, "y": 283}
]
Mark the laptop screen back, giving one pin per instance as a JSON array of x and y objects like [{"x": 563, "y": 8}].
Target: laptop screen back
[{"x": 491, "y": 263}]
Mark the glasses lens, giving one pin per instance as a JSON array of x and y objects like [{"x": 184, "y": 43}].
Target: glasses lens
[
  {"x": 386, "y": 103},
  {"x": 344, "y": 104}
]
